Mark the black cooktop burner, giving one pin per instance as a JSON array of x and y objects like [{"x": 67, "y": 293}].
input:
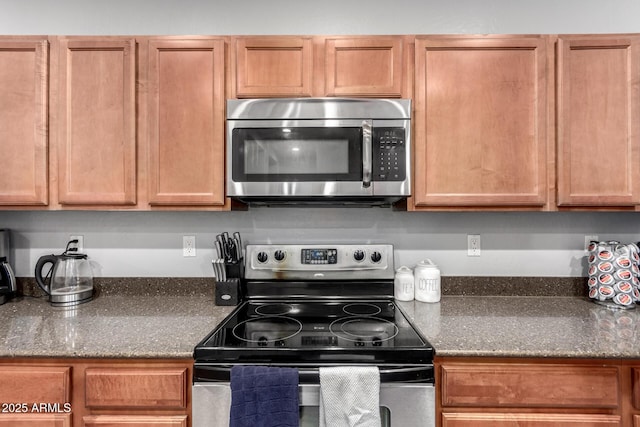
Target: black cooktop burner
[
  {"x": 364, "y": 330},
  {"x": 319, "y": 332},
  {"x": 362, "y": 309},
  {"x": 267, "y": 329},
  {"x": 275, "y": 309}
]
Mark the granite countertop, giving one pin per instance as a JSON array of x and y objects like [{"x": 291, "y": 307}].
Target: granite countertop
[
  {"x": 162, "y": 325},
  {"x": 110, "y": 326},
  {"x": 530, "y": 326}
]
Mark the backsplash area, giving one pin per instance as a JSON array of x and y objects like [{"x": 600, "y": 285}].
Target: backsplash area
[
  {"x": 451, "y": 286},
  {"x": 149, "y": 244}
]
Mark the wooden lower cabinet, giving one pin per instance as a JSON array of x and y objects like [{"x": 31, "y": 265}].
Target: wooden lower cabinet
[
  {"x": 529, "y": 385},
  {"x": 95, "y": 392},
  {"x": 528, "y": 420},
  {"x": 536, "y": 392},
  {"x": 122, "y": 387},
  {"x": 29, "y": 385},
  {"x": 636, "y": 387},
  {"x": 35, "y": 420},
  {"x": 135, "y": 421}
]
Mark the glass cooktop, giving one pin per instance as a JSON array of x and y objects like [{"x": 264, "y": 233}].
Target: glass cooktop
[{"x": 317, "y": 332}]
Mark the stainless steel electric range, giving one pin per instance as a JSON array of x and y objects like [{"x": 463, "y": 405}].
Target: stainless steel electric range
[{"x": 309, "y": 306}]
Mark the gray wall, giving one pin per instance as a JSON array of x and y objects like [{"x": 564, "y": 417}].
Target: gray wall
[
  {"x": 149, "y": 244},
  {"x": 317, "y": 17}
]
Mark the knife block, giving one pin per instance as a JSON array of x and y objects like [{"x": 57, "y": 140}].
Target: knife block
[
  {"x": 228, "y": 292},
  {"x": 234, "y": 270}
]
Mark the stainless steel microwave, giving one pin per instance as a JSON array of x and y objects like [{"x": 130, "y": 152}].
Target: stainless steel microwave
[{"x": 318, "y": 150}]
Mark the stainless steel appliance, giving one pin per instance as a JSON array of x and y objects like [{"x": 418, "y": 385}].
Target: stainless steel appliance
[
  {"x": 319, "y": 150},
  {"x": 311, "y": 306},
  {"x": 69, "y": 281},
  {"x": 7, "y": 277}
]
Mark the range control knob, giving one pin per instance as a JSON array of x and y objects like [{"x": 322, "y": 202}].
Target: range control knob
[
  {"x": 358, "y": 255},
  {"x": 376, "y": 257},
  {"x": 279, "y": 255},
  {"x": 262, "y": 257}
]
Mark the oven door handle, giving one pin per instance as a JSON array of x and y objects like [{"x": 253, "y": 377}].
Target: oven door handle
[
  {"x": 311, "y": 375},
  {"x": 367, "y": 162}
]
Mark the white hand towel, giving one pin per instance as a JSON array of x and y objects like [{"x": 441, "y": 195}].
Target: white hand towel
[{"x": 350, "y": 396}]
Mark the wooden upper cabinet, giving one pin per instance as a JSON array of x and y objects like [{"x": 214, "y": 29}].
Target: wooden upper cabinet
[
  {"x": 97, "y": 121},
  {"x": 186, "y": 122},
  {"x": 481, "y": 122},
  {"x": 364, "y": 67},
  {"x": 24, "y": 75},
  {"x": 598, "y": 126},
  {"x": 274, "y": 67}
]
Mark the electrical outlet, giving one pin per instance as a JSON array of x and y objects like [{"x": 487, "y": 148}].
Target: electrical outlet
[
  {"x": 188, "y": 246},
  {"x": 473, "y": 245},
  {"x": 80, "y": 244},
  {"x": 588, "y": 239}
]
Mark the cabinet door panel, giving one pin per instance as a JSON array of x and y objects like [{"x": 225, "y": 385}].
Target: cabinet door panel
[
  {"x": 35, "y": 384},
  {"x": 267, "y": 66},
  {"x": 186, "y": 122},
  {"x": 481, "y": 122},
  {"x": 136, "y": 388},
  {"x": 636, "y": 388},
  {"x": 35, "y": 420},
  {"x": 134, "y": 421},
  {"x": 528, "y": 420},
  {"x": 530, "y": 386},
  {"x": 598, "y": 127},
  {"x": 24, "y": 71},
  {"x": 364, "y": 67},
  {"x": 636, "y": 421},
  {"x": 97, "y": 116}
]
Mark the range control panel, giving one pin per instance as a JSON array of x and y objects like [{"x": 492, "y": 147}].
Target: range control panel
[
  {"x": 319, "y": 256},
  {"x": 335, "y": 261}
]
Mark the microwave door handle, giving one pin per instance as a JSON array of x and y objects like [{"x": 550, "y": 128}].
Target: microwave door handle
[{"x": 366, "y": 153}]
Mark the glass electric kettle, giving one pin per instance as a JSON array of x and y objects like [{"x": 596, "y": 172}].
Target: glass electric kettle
[{"x": 70, "y": 278}]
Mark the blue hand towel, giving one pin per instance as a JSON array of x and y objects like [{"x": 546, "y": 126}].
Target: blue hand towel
[{"x": 263, "y": 396}]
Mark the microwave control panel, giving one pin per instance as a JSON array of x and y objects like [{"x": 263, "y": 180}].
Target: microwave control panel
[{"x": 389, "y": 154}]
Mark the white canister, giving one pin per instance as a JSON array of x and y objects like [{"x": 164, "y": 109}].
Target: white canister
[
  {"x": 403, "y": 284},
  {"x": 427, "y": 282}
]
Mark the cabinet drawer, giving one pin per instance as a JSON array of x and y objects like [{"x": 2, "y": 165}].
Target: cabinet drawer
[
  {"x": 35, "y": 420},
  {"x": 529, "y": 420},
  {"x": 35, "y": 384},
  {"x": 136, "y": 388},
  {"x": 529, "y": 385},
  {"x": 636, "y": 387},
  {"x": 135, "y": 421}
]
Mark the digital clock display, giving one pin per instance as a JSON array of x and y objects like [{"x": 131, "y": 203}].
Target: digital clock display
[{"x": 319, "y": 256}]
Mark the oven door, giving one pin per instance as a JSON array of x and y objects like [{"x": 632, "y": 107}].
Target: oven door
[
  {"x": 407, "y": 397},
  {"x": 401, "y": 405},
  {"x": 299, "y": 158}
]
